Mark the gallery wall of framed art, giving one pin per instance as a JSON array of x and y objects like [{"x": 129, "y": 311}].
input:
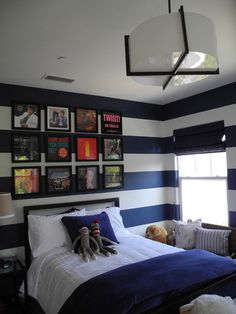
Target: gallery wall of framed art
[
  {"x": 63, "y": 153},
  {"x": 57, "y": 148},
  {"x": 57, "y": 118},
  {"x": 86, "y": 120},
  {"x": 25, "y": 147},
  {"x": 87, "y": 148},
  {"x": 25, "y": 116},
  {"x": 26, "y": 181}
]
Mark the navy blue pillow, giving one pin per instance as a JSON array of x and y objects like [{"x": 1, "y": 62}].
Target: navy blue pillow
[{"x": 75, "y": 223}]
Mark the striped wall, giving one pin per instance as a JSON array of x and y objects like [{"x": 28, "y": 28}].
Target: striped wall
[
  {"x": 212, "y": 106},
  {"x": 149, "y": 177}
]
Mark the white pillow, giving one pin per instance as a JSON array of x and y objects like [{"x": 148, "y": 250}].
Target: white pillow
[
  {"x": 48, "y": 232},
  {"x": 185, "y": 233},
  {"x": 114, "y": 216}
]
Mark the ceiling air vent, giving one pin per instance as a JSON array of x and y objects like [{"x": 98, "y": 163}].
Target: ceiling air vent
[{"x": 58, "y": 79}]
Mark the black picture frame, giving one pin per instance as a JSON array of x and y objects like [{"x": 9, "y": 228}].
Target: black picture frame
[
  {"x": 112, "y": 148},
  {"x": 58, "y": 179},
  {"x": 111, "y": 122},
  {"x": 87, "y": 178},
  {"x": 25, "y": 116},
  {"x": 86, "y": 120},
  {"x": 25, "y": 147},
  {"x": 26, "y": 181},
  {"x": 86, "y": 148},
  {"x": 57, "y": 147},
  {"x": 57, "y": 118},
  {"x": 113, "y": 176}
]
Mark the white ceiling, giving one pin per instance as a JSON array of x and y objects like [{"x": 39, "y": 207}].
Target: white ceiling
[{"x": 90, "y": 34}]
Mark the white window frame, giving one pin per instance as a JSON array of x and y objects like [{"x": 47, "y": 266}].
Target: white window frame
[{"x": 181, "y": 178}]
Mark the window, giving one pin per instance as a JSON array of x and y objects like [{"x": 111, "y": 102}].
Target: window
[{"x": 203, "y": 187}]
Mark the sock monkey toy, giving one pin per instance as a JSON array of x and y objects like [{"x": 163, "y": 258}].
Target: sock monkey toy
[
  {"x": 95, "y": 230},
  {"x": 82, "y": 244}
]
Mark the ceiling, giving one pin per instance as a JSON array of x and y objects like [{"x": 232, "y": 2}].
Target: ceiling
[{"x": 89, "y": 34}]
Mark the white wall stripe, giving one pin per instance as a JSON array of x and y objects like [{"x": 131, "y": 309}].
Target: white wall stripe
[
  {"x": 227, "y": 113},
  {"x": 142, "y": 127},
  {"x": 5, "y": 118},
  {"x": 231, "y": 157},
  {"x": 231, "y": 200},
  {"x": 128, "y": 199},
  {"x": 148, "y": 162}
]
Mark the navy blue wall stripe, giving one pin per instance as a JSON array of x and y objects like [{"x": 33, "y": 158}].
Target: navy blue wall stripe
[
  {"x": 11, "y": 236},
  {"x": 54, "y": 97},
  {"x": 150, "y": 179},
  {"x": 148, "y": 145},
  {"x": 230, "y": 133},
  {"x": 231, "y": 179},
  {"x": 131, "y": 144},
  {"x": 232, "y": 218},
  {"x": 215, "y": 98},
  {"x": 150, "y": 214},
  {"x": 5, "y": 184},
  {"x": 132, "y": 181}
]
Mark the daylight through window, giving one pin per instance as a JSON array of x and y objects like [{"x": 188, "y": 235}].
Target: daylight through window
[{"x": 203, "y": 187}]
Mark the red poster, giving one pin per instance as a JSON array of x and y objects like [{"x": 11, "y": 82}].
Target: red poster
[{"x": 86, "y": 148}]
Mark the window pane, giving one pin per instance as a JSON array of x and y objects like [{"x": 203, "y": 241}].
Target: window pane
[
  {"x": 186, "y": 165},
  {"x": 204, "y": 199},
  {"x": 203, "y": 165},
  {"x": 218, "y": 164}
]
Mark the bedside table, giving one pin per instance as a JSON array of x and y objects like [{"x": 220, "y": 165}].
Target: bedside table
[{"x": 10, "y": 281}]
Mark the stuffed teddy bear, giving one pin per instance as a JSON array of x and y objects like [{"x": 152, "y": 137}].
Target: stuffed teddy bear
[
  {"x": 82, "y": 244},
  {"x": 156, "y": 233},
  {"x": 210, "y": 304},
  {"x": 95, "y": 230}
]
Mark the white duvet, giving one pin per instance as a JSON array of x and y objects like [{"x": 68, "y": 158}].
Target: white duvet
[{"x": 53, "y": 277}]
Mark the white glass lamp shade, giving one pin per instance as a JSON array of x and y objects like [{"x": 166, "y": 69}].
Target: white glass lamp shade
[
  {"x": 156, "y": 45},
  {"x": 6, "y": 208}
]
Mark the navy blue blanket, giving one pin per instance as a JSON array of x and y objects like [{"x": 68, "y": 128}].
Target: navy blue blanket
[{"x": 140, "y": 286}]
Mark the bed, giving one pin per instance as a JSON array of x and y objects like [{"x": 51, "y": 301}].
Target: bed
[{"x": 132, "y": 281}]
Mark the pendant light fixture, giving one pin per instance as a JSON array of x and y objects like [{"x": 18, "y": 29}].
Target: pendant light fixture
[{"x": 176, "y": 48}]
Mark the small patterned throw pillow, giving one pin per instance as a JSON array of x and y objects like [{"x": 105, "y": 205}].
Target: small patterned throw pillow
[
  {"x": 213, "y": 240},
  {"x": 185, "y": 233}
]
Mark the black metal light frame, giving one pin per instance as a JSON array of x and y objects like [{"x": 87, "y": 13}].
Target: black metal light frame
[{"x": 175, "y": 71}]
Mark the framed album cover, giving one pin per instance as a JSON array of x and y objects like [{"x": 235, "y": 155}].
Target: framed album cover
[
  {"x": 113, "y": 176},
  {"x": 57, "y": 148},
  {"x": 86, "y": 148},
  {"x": 58, "y": 179},
  {"x": 26, "y": 180},
  {"x": 86, "y": 120},
  {"x": 112, "y": 148},
  {"x": 111, "y": 122},
  {"x": 57, "y": 118},
  {"x": 87, "y": 178},
  {"x": 25, "y": 147},
  {"x": 25, "y": 116}
]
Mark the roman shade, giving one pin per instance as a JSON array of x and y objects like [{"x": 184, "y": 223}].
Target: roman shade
[{"x": 205, "y": 138}]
